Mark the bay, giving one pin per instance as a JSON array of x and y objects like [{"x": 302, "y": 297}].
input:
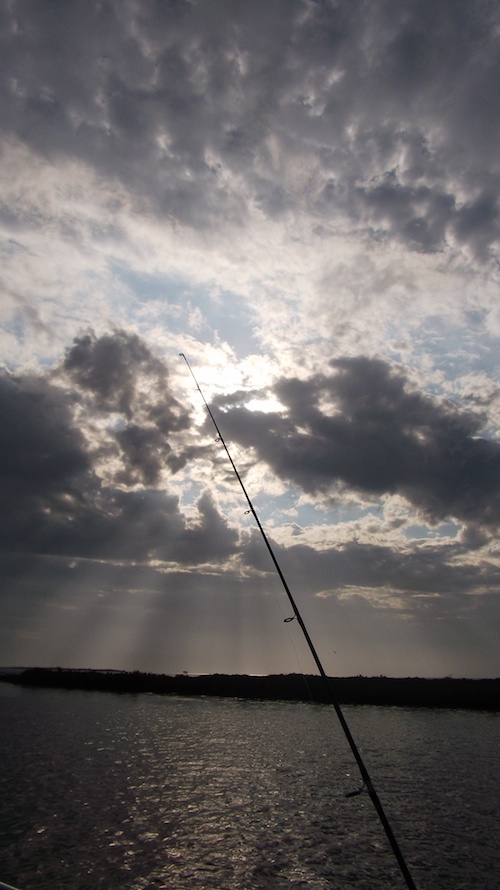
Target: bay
[{"x": 140, "y": 791}]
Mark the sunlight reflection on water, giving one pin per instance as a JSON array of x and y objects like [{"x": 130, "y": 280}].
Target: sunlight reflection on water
[{"x": 101, "y": 790}]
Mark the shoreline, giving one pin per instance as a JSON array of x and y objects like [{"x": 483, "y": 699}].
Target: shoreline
[{"x": 411, "y": 692}]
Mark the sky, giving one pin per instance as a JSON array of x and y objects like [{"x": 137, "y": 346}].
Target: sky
[{"x": 302, "y": 196}]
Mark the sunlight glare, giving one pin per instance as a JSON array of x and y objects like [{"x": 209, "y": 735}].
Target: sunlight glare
[{"x": 267, "y": 405}]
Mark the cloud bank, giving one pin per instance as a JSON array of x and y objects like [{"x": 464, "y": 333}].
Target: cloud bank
[
  {"x": 304, "y": 197},
  {"x": 76, "y": 493},
  {"x": 349, "y": 110}
]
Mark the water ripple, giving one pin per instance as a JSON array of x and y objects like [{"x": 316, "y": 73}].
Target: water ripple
[{"x": 150, "y": 793}]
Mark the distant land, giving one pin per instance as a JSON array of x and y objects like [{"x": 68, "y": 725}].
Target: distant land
[{"x": 411, "y": 692}]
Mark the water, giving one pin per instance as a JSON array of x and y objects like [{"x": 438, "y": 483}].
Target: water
[{"x": 138, "y": 792}]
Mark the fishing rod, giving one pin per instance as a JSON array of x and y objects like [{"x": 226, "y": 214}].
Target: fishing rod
[{"x": 367, "y": 782}]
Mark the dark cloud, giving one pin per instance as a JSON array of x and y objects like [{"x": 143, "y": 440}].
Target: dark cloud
[
  {"x": 56, "y": 496},
  {"x": 391, "y": 107},
  {"x": 40, "y": 450},
  {"x": 45, "y": 467},
  {"x": 144, "y": 452},
  {"x": 365, "y": 428},
  {"x": 117, "y": 374},
  {"x": 477, "y": 222},
  {"x": 107, "y": 367},
  {"x": 122, "y": 374},
  {"x": 416, "y": 214}
]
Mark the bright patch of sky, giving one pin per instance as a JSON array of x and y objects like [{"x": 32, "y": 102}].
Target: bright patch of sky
[{"x": 212, "y": 315}]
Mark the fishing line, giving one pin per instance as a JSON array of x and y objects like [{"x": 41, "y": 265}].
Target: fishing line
[{"x": 367, "y": 782}]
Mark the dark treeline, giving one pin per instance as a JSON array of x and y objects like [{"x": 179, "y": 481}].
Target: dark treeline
[{"x": 405, "y": 692}]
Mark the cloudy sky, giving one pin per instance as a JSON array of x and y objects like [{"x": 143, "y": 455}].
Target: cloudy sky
[{"x": 303, "y": 197}]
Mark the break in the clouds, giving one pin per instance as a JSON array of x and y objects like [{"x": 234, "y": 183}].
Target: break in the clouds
[{"x": 302, "y": 197}]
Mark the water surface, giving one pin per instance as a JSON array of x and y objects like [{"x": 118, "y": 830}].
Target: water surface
[{"x": 136, "y": 792}]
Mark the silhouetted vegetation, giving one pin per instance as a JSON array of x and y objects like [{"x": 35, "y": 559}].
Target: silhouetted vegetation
[{"x": 404, "y": 692}]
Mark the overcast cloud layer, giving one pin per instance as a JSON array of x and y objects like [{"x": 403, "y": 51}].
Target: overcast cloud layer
[{"x": 304, "y": 198}]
